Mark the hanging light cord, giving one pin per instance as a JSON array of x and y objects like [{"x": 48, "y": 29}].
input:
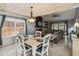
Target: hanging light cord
[
  {"x": 31, "y": 18},
  {"x": 31, "y": 11}
]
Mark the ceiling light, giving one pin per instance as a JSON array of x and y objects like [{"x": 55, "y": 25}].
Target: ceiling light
[
  {"x": 76, "y": 24},
  {"x": 31, "y": 18}
]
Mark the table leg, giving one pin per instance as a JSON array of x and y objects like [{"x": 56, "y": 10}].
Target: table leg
[
  {"x": 34, "y": 50},
  {"x": 66, "y": 40}
]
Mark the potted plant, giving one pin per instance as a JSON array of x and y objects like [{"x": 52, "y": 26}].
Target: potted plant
[{"x": 77, "y": 35}]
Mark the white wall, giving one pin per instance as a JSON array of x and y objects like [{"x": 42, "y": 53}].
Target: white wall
[
  {"x": 30, "y": 28},
  {"x": 71, "y": 23}
]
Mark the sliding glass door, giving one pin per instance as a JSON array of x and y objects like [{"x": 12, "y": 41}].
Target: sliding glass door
[
  {"x": 10, "y": 26},
  {"x": 20, "y": 26}
]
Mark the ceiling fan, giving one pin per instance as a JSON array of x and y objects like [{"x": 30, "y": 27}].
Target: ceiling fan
[{"x": 55, "y": 15}]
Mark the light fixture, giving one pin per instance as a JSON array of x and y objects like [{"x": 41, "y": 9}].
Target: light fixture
[
  {"x": 76, "y": 25},
  {"x": 31, "y": 19}
]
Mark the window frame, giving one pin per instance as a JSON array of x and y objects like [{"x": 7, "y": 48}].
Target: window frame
[{"x": 13, "y": 19}]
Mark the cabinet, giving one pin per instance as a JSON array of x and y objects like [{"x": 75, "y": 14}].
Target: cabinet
[{"x": 75, "y": 47}]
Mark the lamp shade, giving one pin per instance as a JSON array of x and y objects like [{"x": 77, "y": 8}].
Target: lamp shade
[
  {"x": 76, "y": 25},
  {"x": 31, "y": 19}
]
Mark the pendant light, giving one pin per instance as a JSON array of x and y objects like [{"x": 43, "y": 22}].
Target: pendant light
[
  {"x": 76, "y": 23},
  {"x": 31, "y": 19}
]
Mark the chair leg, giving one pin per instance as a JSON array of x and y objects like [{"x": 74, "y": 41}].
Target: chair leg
[
  {"x": 24, "y": 53},
  {"x": 47, "y": 53}
]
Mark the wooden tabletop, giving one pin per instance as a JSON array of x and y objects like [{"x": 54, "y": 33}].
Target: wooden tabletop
[{"x": 32, "y": 41}]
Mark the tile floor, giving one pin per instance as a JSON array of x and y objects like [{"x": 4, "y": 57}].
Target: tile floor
[{"x": 59, "y": 49}]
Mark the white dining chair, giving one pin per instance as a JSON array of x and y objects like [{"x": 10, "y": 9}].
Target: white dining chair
[
  {"x": 22, "y": 49},
  {"x": 43, "y": 50},
  {"x": 38, "y": 33}
]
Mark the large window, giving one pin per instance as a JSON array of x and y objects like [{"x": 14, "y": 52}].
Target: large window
[
  {"x": 59, "y": 26},
  {"x": 20, "y": 26},
  {"x": 11, "y": 25},
  {"x": 55, "y": 26},
  {"x": 8, "y": 28}
]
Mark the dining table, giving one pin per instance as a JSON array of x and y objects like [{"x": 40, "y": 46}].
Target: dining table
[{"x": 34, "y": 43}]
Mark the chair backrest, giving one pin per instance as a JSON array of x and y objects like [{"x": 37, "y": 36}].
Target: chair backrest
[
  {"x": 38, "y": 33},
  {"x": 20, "y": 45},
  {"x": 46, "y": 44}
]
